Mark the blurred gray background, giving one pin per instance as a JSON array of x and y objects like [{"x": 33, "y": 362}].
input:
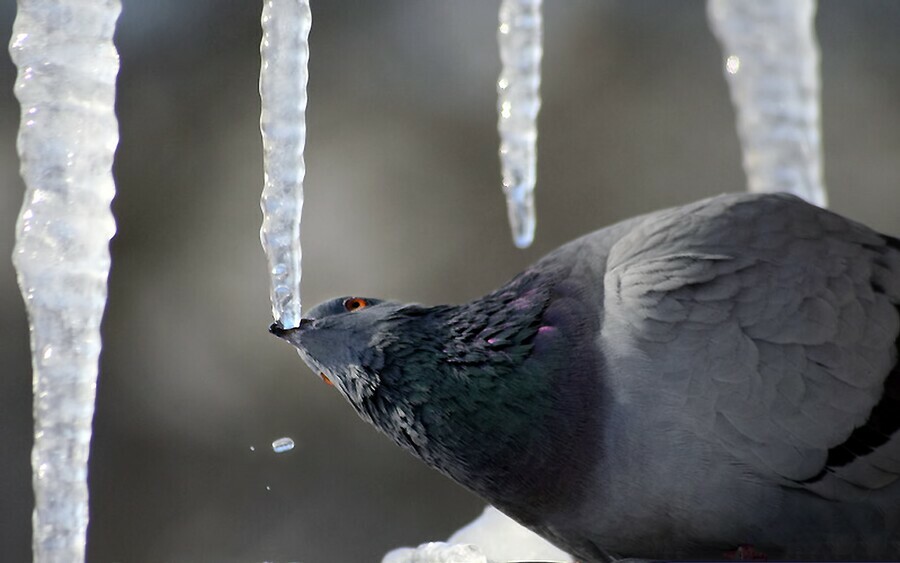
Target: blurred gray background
[{"x": 402, "y": 201}]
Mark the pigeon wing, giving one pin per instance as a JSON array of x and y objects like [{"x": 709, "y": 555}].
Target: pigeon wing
[{"x": 768, "y": 326}]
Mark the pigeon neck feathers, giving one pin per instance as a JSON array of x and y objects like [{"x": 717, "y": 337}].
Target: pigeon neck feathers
[{"x": 474, "y": 390}]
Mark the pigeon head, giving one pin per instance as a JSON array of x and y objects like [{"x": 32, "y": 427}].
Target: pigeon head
[
  {"x": 484, "y": 392},
  {"x": 334, "y": 341}
]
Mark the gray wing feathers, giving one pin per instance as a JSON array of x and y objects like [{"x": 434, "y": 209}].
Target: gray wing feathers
[{"x": 768, "y": 324}]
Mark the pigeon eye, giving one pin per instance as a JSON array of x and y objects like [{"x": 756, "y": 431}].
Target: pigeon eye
[{"x": 355, "y": 303}]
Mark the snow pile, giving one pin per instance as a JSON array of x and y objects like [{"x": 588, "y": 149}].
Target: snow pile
[
  {"x": 437, "y": 552},
  {"x": 493, "y": 537}
]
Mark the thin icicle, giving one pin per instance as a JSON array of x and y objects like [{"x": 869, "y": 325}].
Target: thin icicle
[
  {"x": 282, "y": 87},
  {"x": 520, "y": 36},
  {"x": 772, "y": 66},
  {"x": 67, "y": 66}
]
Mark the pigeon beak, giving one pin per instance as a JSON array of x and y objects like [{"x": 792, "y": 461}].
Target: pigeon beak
[
  {"x": 292, "y": 336},
  {"x": 285, "y": 333}
]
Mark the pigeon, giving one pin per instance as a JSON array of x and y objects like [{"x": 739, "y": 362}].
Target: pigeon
[{"x": 712, "y": 380}]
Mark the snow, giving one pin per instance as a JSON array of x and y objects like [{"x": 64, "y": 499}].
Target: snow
[
  {"x": 67, "y": 67},
  {"x": 772, "y": 67},
  {"x": 520, "y": 36},
  {"x": 282, "y": 87},
  {"x": 493, "y": 536},
  {"x": 437, "y": 552}
]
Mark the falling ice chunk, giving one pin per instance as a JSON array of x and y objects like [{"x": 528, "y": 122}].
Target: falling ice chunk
[
  {"x": 772, "y": 67},
  {"x": 518, "y": 102},
  {"x": 282, "y": 86},
  {"x": 67, "y": 136},
  {"x": 282, "y": 445}
]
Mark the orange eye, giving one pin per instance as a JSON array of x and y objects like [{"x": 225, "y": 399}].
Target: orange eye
[{"x": 355, "y": 304}]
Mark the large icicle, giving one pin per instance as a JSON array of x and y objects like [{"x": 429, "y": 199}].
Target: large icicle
[
  {"x": 67, "y": 68},
  {"x": 282, "y": 87},
  {"x": 772, "y": 66},
  {"x": 520, "y": 35}
]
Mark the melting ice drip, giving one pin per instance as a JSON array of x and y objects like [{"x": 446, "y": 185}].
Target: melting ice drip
[
  {"x": 282, "y": 86},
  {"x": 772, "y": 66},
  {"x": 67, "y": 66},
  {"x": 520, "y": 35}
]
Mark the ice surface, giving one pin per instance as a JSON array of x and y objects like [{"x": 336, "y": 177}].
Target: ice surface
[
  {"x": 282, "y": 86},
  {"x": 282, "y": 445},
  {"x": 520, "y": 35},
  {"x": 67, "y": 66},
  {"x": 772, "y": 67},
  {"x": 493, "y": 536}
]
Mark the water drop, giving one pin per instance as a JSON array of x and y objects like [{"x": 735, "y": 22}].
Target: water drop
[
  {"x": 282, "y": 445},
  {"x": 733, "y": 64}
]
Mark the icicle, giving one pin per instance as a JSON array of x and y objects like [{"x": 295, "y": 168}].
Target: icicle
[
  {"x": 518, "y": 89},
  {"x": 282, "y": 87},
  {"x": 772, "y": 66},
  {"x": 67, "y": 68}
]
